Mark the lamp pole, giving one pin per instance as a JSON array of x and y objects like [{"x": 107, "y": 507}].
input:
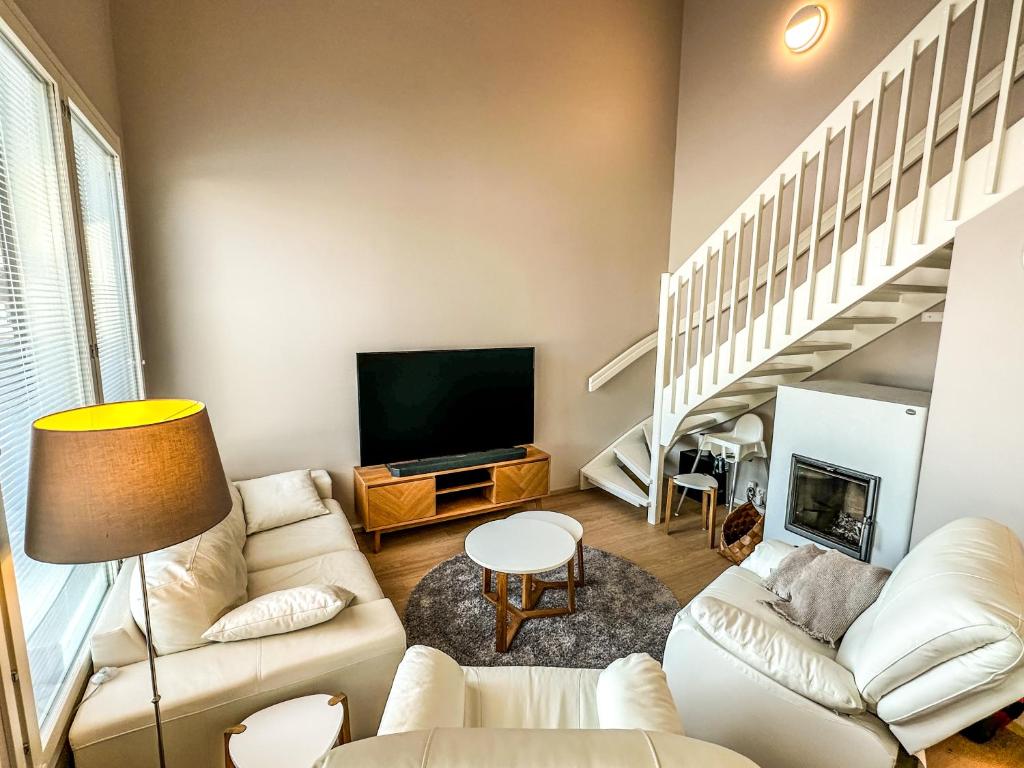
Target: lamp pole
[{"x": 152, "y": 666}]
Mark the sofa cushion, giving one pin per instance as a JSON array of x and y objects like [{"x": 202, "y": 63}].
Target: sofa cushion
[
  {"x": 768, "y": 644},
  {"x": 116, "y": 639},
  {"x": 345, "y": 569},
  {"x": 742, "y": 589},
  {"x": 632, "y": 693},
  {"x": 279, "y": 612},
  {"x": 281, "y": 499},
  {"x": 207, "y": 689},
  {"x": 531, "y": 697},
  {"x": 190, "y": 586},
  {"x": 958, "y": 595},
  {"x": 429, "y": 691},
  {"x": 301, "y": 540}
]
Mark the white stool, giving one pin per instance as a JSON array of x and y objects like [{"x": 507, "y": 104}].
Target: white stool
[
  {"x": 297, "y": 733},
  {"x": 708, "y": 487},
  {"x": 745, "y": 439},
  {"x": 570, "y": 525}
]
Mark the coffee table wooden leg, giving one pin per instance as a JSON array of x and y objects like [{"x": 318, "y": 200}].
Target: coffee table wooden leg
[
  {"x": 501, "y": 615},
  {"x": 345, "y": 735},
  {"x": 570, "y": 585},
  {"x": 232, "y": 731},
  {"x": 527, "y": 601},
  {"x": 579, "y": 559},
  {"x": 487, "y": 581},
  {"x": 668, "y": 504}
]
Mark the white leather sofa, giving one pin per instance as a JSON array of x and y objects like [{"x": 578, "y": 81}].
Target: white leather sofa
[
  {"x": 210, "y": 688},
  {"x": 941, "y": 648},
  {"x": 442, "y": 714}
]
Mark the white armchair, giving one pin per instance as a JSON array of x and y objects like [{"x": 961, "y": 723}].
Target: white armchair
[
  {"x": 442, "y": 714},
  {"x": 941, "y": 648}
]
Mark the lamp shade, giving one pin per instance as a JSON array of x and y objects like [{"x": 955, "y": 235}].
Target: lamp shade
[{"x": 121, "y": 479}]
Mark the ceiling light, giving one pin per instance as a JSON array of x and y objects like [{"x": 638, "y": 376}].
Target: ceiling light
[{"x": 805, "y": 28}]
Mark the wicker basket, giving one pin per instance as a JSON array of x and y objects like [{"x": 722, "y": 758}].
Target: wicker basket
[{"x": 742, "y": 531}]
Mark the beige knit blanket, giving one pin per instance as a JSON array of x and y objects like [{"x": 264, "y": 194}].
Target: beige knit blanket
[{"x": 827, "y": 595}]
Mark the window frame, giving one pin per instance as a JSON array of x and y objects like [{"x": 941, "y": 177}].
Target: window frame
[{"x": 25, "y": 742}]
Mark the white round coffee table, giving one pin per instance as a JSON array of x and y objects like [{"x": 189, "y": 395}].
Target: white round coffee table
[
  {"x": 298, "y": 732},
  {"x": 570, "y": 525},
  {"x": 524, "y": 548}
]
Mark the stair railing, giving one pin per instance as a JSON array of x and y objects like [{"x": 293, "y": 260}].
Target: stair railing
[{"x": 786, "y": 221}]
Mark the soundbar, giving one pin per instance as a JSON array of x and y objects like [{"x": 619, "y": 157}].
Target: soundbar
[{"x": 459, "y": 460}]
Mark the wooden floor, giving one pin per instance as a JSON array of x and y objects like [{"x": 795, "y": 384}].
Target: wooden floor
[{"x": 682, "y": 561}]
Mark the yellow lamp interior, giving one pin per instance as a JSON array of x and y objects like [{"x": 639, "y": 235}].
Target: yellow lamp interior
[
  {"x": 805, "y": 28},
  {"x": 135, "y": 413}
]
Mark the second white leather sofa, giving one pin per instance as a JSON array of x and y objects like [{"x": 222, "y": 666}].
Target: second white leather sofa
[
  {"x": 210, "y": 688},
  {"x": 941, "y": 648}
]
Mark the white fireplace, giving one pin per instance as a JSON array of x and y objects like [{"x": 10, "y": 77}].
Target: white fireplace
[{"x": 844, "y": 467}]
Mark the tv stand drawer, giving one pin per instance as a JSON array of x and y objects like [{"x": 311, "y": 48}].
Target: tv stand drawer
[
  {"x": 399, "y": 503},
  {"x": 520, "y": 481}
]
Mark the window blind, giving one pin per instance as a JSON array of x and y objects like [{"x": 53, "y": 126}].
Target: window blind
[
  {"x": 44, "y": 366},
  {"x": 107, "y": 264}
]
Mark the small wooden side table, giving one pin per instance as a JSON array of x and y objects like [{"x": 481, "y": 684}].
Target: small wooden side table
[
  {"x": 297, "y": 733},
  {"x": 708, "y": 487},
  {"x": 524, "y": 548}
]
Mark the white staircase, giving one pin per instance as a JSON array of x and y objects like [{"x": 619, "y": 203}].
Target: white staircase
[{"x": 748, "y": 311}]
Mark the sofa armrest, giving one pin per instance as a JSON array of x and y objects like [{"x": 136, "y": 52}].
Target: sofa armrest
[
  {"x": 759, "y": 644},
  {"x": 632, "y": 693},
  {"x": 429, "y": 691}
]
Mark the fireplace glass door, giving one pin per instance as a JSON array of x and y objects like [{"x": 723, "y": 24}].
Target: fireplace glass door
[{"x": 832, "y": 505}]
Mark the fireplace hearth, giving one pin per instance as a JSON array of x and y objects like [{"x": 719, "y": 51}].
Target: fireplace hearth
[{"x": 832, "y": 505}]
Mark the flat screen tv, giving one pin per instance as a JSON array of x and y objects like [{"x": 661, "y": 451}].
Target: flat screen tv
[{"x": 418, "y": 405}]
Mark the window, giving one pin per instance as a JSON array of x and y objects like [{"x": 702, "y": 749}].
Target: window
[
  {"x": 109, "y": 273},
  {"x": 67, "y": 338}
]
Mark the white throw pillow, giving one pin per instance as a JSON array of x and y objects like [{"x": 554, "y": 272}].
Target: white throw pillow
[
  {"x": 280, "y": 612},
  {"x": 190, "y": 586},
  {"x": 633, "y": 693},
  {"x": 766, "y": 557},
  {"x": 282, "y": 499}
]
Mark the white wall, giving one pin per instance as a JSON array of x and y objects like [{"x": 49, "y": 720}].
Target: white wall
[
  {"x": 972, "y": 454},
  {"x": 312, "y": 179}
]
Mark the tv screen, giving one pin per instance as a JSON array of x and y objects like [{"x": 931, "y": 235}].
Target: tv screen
[{"x": 417, "y": 405}]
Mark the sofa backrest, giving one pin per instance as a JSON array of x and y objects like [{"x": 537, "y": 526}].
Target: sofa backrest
[
  {"x": 957, "y": 599},
  {"x": 500, "y": 747}
]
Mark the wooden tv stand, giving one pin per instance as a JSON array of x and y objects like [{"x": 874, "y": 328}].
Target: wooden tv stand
[{"x": 387, "y": 503}]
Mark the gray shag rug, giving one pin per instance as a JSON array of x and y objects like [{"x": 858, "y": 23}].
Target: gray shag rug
[{"x": 622, "y": 609}]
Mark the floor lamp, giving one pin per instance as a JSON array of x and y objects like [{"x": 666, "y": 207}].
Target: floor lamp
[{"x": 113, "y": 481}]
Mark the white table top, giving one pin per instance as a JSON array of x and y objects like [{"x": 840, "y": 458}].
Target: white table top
[
  {"x": 295, "y": 733},
  {"x": 570, "y": 525},
  {"x": 520, "y": 546}
]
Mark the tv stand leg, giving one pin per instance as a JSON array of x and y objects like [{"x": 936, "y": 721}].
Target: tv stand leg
[{"x": 376, "y": 542}]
